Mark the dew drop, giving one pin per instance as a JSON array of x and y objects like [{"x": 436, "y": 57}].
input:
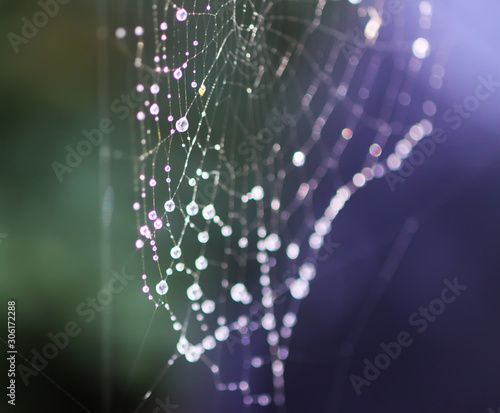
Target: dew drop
[
  {"x": 182, "y": 125},
  {"x": 299, "y": 289},
  {"x": 222, "y": 333},
  {"x": 181, "y": 15},
  {"x": 194, "y": 292},
  {"x": 120, "y": 33},
  {"x": 298, "y": 158},
  {"x": 208, "y": 212},
  {"x": 192, "y": 208},
  {"x": 177, "y": 73},
  {"x": 162, "y": 287},
  {"x": 203, "y": 237},
  {"x": 158, "y": 224},
  {"x": 209, "y": 343},
  {"x": 169, "y": 205},
  {"x": 175, "y": 252},
  {"x": 154, "y": 109},
  {"x": 208, "y": 306},
  {"x": 201, "y": 263},
  {"x": 226, "y": 230}
]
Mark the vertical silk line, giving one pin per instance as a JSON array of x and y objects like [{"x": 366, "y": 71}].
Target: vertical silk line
[{"x": 105, "y": 190}]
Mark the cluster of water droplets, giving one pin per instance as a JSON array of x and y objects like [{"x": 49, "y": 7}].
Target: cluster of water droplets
[{"x": 258, "y": 306}]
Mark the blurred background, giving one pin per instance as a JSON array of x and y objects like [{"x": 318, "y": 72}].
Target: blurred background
[{"x": 51, "y": 241}]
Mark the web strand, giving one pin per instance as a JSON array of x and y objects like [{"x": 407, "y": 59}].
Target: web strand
[{"x": 260, "y": 121}]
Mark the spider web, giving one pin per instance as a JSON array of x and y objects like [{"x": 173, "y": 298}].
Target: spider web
[{"x": 262, "y": 119}]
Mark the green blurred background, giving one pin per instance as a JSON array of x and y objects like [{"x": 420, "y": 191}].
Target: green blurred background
[{"x": 49, "y": 255}]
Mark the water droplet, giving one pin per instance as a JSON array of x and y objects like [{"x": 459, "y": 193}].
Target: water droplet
[
  {"x": 194, "y": 292},
  {"x": 208, "y": 306},
  {"x": 175, "y": 252},
  {"x": 293, "y": 251},
  {"x": 375, "y": 149},
  {"x": 208, "y": 212},
  {"x": 238, "y": 291},
  {"x": 222, "y": 333},
  {"x": 169, "y": 205},
  {"x": 192, "y": 208},
  {"x": 203, "y": 237},
  {"x": 299, "y": 289},
  {"x": 158, "y": 224},
  {"x": 268, "y": 321},
  {"x": 193, "y": 354},
  {"x": 298, "y": 158},
  {"x": 421, "y": 48},
  {"x": 120, "y": 33},
  {"x": 307, "y": 271},
  {"x": 162, "y": 287},
  {"x": 289, "y": 319},
  {"x": 182, "y": 125},
  {"x": 177, "y": 73},
  {"x": 201, "y": 263},
  {"x": 182, "y": 345},
  {"x": 181, "y": 15},
  {"x": 257, "y": 192},
  {"x": 226, "y": 230},
  {"x": 154, "y": 89},
  {"x": 273, "y": 242},
  {"x": 154, "y": 109},
  {"x": 209, "y": 343}
]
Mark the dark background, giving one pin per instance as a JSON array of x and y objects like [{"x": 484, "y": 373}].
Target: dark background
[{"x": 49, "y": 262}]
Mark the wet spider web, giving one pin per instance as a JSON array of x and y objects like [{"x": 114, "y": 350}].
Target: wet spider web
[{"x": 261, "y": 119}]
